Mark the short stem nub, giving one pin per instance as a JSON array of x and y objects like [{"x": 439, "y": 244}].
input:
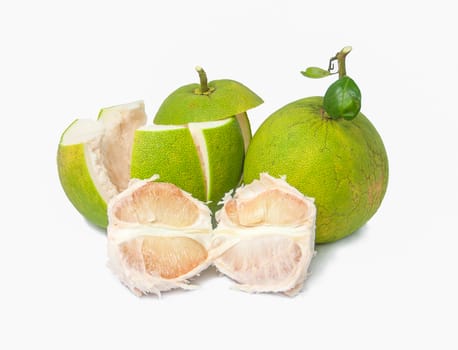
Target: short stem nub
[{"x": 203, "y": 80}]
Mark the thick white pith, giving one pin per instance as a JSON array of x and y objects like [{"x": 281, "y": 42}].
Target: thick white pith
[
  {"x": 107, "y": 145},
  {"x": 197, "y": 133},
  {"x": 244, "y": 124}
]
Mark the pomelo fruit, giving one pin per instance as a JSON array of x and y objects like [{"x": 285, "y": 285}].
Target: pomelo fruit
[
  {"x": 159, "y": 236},
  {"x": 204, "y": 159},
  {"x": 265, "y": 236},
  {"x": 199, "y": 138},
  {"x": 93, "y": 158},
  {"x": 341, "y": 163}
]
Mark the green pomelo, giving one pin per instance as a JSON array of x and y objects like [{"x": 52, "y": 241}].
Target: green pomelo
[
  {"x": 228, "y": 98},
  {"x": 204, "y": 159},
  {"x": 92, "y": 155},
  {"x": 341, "y": 163}
]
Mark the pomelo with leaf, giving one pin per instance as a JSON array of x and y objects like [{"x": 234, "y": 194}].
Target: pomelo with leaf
[{"x": 328, "y": 150}]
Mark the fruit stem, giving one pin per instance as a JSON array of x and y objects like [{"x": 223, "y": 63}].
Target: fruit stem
[
  {"x": 203, "y": 80},
  {"x": 340, "y": 57}
]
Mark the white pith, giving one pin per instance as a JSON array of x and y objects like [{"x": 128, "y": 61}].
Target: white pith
[
  {"x": 107, "y": 145},
  {"x": 197, "y": 133},
  {"x": 239, "y": 246},
  {"x": 138, "y": 280},
  {"x": 243, "y": 121}
]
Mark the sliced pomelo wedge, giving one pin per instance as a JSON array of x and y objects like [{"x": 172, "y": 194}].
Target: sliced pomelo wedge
[
  {"x": 158, "y": 236},
  {"x": 205, "y": 159},
  {"x": 93, "y": 158},
  {"x": 266, "y": 236}
]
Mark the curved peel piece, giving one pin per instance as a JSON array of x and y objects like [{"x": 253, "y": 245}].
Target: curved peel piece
[{"x": 93, "y": 158}]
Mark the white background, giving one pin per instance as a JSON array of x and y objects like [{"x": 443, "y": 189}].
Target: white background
[{"x": 391, "y": 285}]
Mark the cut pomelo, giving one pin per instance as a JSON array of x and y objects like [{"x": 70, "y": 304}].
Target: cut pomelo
[
  {"x": 158, "y": 236},
  {"x": 93, "y": 158},
  {"x": 266, "y": 236},
  {"x": 204, "y": 159}
]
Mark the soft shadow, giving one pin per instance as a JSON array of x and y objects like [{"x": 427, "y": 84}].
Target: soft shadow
[
  {"x": 326, "y": 251},
  {"x": 99, "y": 229}
]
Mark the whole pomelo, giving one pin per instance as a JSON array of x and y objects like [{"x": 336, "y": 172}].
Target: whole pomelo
[{"x": 341, "y": 163}]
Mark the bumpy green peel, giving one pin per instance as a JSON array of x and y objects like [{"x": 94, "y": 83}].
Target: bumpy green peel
[{"x": 228, "y": 98}]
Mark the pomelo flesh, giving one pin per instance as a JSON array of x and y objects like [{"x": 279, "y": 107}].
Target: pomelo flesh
[
  {"x": 266, "y": 235},
  {"x": 159, "y": 236}
]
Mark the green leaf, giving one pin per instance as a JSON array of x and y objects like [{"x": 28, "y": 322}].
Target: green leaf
[
  {"x": 342, "y": 99},
  {"x": 315, "y": 72}
]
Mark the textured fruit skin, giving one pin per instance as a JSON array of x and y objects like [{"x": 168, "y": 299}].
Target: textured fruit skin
[
  {"x": 228, "y": 98},
  {"x": 172, "y": 156},
  {"x": 341, "y": 163},
  {"x": 225, "y": 174},
  {"x": 78, "y": 185}
]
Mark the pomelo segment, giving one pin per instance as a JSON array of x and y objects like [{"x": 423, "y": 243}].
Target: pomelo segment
[
  {"x": 159, "y": 237},
  {"x": 266, "y": 236},
  {"x": 205, "y": 159},
  {"x": 93, "y": 158}
]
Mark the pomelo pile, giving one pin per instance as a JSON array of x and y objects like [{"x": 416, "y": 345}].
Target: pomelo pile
[{"x": 172, "y": 196}]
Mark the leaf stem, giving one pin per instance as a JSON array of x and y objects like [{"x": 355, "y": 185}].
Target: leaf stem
[{"x": 340, "y": 57}]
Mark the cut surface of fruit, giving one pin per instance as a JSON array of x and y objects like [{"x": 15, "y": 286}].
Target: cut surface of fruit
[
  {"x": 159, "y": 236},
  {"x": 93, "y": 158},
  {"x": 266, "y": 236},
  {"x": 205, "y": 159}
]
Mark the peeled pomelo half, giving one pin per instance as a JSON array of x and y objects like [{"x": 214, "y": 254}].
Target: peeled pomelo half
[
  {"x": 204, "y": 159},
  {"x": 93, "y": 158},
  {"x": 266, "y": 236},
  {"x": 158, "y": 236}
]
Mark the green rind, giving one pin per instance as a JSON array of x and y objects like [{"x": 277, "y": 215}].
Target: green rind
[
  {"x": 245, "y": 126},
  {"x": 185, "y": 106},
  {"x": 348, "y": 185},
  {"x": 225, "y": 159},
  {"x": 78, "y": 185},
  {"x": 172, "y": 155}
]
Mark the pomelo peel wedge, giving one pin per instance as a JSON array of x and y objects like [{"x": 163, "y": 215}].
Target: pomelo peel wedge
[
  {"x": 93, "y": 158},
  {"x": 205, "y": 158}
]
